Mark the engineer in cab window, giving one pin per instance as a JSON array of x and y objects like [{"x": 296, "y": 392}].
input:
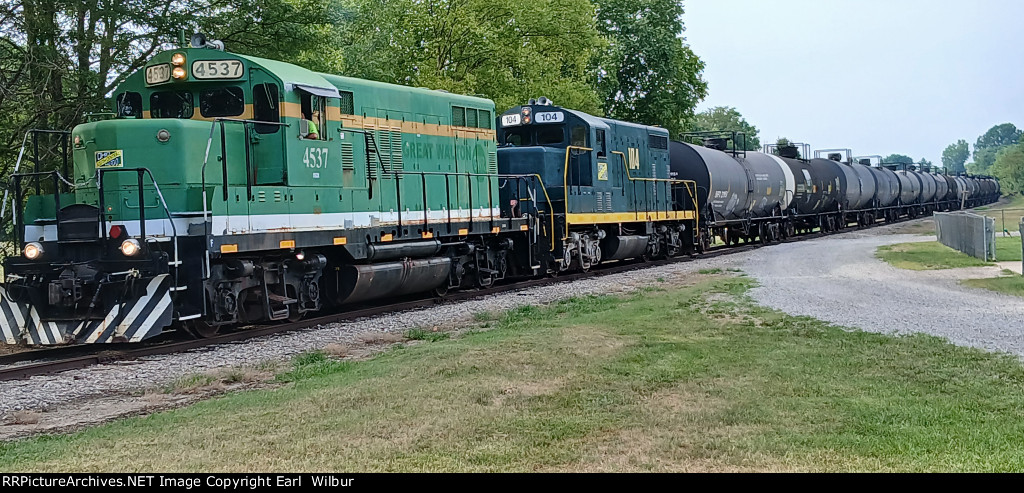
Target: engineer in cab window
[{"x": 312, "y": 129}]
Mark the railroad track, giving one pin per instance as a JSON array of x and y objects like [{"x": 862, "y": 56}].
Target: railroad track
[{"x": 54, "y": 360}]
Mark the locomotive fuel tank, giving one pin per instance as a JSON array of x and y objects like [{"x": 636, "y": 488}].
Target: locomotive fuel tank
[{"x": 357, "y": 283}]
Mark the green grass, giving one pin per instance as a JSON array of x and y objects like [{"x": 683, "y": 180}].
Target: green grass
[
  {"x": 684, "y": 379},
  {"x": 1008, "y": 248},
  {"x": 426, "y": 335},
  {"x": 1012, "y": 285},
  {"x": 930, "y": 255},
  {"x": 1007, "y": 212}
]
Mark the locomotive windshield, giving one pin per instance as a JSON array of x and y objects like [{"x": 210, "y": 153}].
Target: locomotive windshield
[
  {"x": 547, "y": 135},
  {"x": 129, "y": 105},
  {"x": 171, "y": 104},
  {"x": 222, "y": 101}
]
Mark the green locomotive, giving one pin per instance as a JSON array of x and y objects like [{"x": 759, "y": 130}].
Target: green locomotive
[{"x": 232, "y": 189}]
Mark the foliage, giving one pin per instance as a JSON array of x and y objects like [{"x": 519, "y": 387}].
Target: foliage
[
  {"x": 898, "y": 159},
  {"x": 784, "y": 142},
  {"x": 924, "y": 163},
  {"x": 955, "y": 156},
  {"x": 304, "y": 32},
  {"x": 1009, "y": 169},
  {"x": 62, "y": 58},
  {"x": 649, "y": 74},
  {"x": 507, "y": 51},
  {"x": 723, "y": 118},
  {"x": 987, "y": 148}
]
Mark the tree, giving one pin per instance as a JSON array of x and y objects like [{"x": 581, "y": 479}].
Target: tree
[
  {"x": 1009, "y": 169},
  {"x": 60, "y": 59},
  {"x": 648, "y": 74},
  {"x": 724, "y": 118},
  {"x": 955, "y": 155},
  {"x": 508, "y": 51},
  {"x": 989, "y": 145},
  {"x": 783, "y": 142},
  {"x": 898, "y": 159},
  {"x": 924, "y": 163}
]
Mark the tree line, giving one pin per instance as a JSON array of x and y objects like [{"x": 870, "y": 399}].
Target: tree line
[
  {"x": 625, "y": 59},
  {"x": 999, "y": 152}
]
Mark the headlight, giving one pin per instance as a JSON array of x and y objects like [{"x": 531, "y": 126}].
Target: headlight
[
  {"x": 178, "y": 59},
  {"x": 33, "y": 251},
  {"x": 178, "y": 73},
  {"x": 130, "y": 247}
]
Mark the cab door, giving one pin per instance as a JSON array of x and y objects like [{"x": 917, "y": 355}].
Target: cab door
[{"x": 267, "y": 141}]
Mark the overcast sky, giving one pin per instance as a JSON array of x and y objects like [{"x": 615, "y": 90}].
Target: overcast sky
[{"x": 880, "y": 77}]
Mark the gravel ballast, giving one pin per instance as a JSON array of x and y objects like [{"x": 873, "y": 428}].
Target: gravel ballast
[{"x": 839, "y": 280}]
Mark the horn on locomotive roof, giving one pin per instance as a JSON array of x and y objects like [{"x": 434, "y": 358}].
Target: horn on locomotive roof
[
  {"x": 543, "y": 101},
  {"x": 199, "y": 40}
]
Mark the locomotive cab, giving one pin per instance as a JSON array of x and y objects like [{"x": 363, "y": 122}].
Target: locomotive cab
[{"x": 608, "y": 194}]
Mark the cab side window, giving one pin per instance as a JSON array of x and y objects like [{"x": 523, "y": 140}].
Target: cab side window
[
  {"x": 266, "y": 107},
  {"x": 579, "y": 136},
  {"x": 601, "y": 148},
  {"x": 314, "y": 111}
]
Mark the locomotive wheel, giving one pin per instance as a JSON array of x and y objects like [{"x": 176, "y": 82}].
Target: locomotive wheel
[{"x": 201, "y": 330}]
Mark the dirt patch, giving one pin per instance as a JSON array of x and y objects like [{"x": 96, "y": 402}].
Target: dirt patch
[
  {"x": 917, "y": 227},
  {"x": 380, "y": 338}
]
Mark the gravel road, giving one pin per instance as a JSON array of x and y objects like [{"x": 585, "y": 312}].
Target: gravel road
[{"x": 839, "y": 280}]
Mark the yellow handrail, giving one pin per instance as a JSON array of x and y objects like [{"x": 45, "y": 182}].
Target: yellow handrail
[
  {"x": 691, "y": 189},
  {"x": 686, "y": 183}
]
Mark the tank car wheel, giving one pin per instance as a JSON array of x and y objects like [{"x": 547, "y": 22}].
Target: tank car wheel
[{"x": 201, "y": 330}]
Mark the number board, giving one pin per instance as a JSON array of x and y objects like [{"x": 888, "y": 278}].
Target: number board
[
  {"x": 550, "y": 117},
  {"x": 157, "y": 74},
  {"x": 510, "y": 120},
  {"x": 217, "y": 69}
]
